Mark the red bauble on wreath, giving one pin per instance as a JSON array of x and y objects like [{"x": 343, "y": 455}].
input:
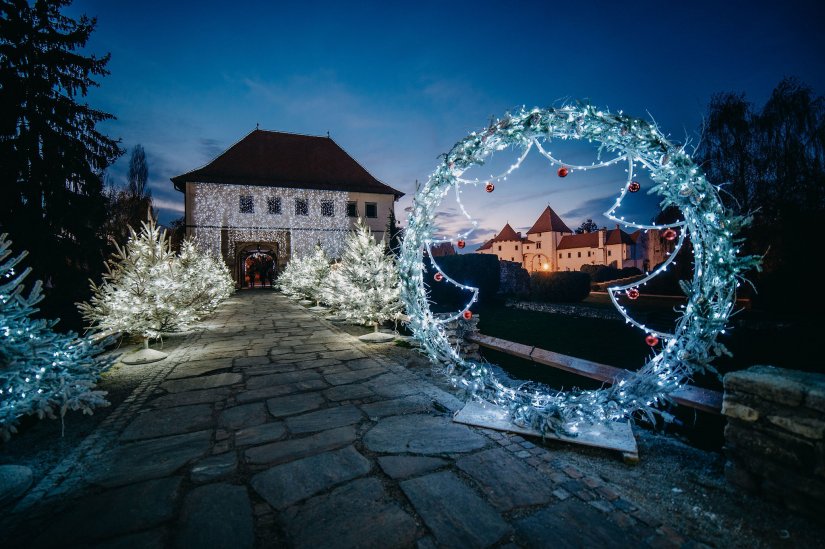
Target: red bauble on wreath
[
  {"x": 489, "y": 187},
  {"x": 634, "y": 186},
  {"x": 438, "y": 277},
  {"x": 563, "y": 172},
  {"x": 461, "y": 244},
  {"x": 632, "y": 293},
  {"x": 652, "y": 340},
  {"x": 468, "y": 314},
  {"x": 669, "y": 234}
]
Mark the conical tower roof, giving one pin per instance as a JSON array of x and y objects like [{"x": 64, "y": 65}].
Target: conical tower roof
[
  {"x": 549, "y": 221},
  {"x": 507, "y": 233}
]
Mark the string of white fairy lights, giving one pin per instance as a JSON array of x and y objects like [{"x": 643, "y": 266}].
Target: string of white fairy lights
[{"x": 677, "y": 180}]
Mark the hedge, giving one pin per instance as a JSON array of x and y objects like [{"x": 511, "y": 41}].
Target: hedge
[
  {"x": 603, "y": 273},
  {"x": 479, "y": 270},
  {"x": 559, "y": 287}
]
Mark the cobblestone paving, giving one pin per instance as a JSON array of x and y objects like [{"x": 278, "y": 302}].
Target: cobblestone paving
[{"x": 271, "y": 427}]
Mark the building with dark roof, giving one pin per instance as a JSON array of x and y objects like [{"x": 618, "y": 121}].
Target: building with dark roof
[
  {"x": 276, "y": 195},
  {"x": 550, "y": 245}
]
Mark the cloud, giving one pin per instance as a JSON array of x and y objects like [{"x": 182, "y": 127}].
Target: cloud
[
  {"x": 168, "y": 205},
  {"x": 210, "y": 148}
]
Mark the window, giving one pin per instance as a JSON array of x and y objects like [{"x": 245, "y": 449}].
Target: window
[
  {"x": 569, "y": 255},
  {"x": 371, "y": 210},
  {"x": 580, "y": 254},
  {"x": 512, "y": 259},
  {"x": 273, "y": 205},
  {"x": 527, "y": 247},
  {"x": 516, "y": 247},
  {"x": 538, "y": 244},
  {"x": 327, "y": 208},
  {"x": 301, "y": 206},
  {"x": 247, "y": 205},
  {"x": 559, "y": 256},
  {"x": 588, "y": 253},
  {"x": 609, "y": 252},
  {"x": 499, "y": 247},
  {"x": 352, "y": 209}
]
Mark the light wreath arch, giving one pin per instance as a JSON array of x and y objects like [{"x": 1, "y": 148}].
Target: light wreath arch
[{"x": 677, "y": 180}]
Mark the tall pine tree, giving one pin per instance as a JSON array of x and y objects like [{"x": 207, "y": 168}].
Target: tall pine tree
[{"x": 51, "y": 155}]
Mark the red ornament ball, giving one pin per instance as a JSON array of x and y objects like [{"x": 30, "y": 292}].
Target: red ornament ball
[
  {"x": 669, "y": 234},
  {"x": 652, "y": 340},
  {"x": 489, "y": 187},
  {"x": 438, "y": 277},
  {"x": 634, "y": 186},
  {"x": 633, "y": 293},
  {"x": 563, "y": 172},
  {"x": 461, "y": 244},
  {"x": 468, "y": 314}
]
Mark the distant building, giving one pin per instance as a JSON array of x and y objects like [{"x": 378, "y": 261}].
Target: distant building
[
  {"x": 550, "y": 245},
  {"x": 274, "y": 195},
  {"x": 442, "y": 249}
]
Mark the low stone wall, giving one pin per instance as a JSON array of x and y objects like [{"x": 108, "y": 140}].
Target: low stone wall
[
  {"x": 457, "y": 331},
  {"x": 570, "y": 309},
  {"x": 774, "y": 436}
]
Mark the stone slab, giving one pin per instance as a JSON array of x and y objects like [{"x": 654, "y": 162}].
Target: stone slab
[
  {"x": 245, "y": 415},
  {"x": 190, "y": 397},
  {"x": 216, "y": 516},
  {"x": 284, "y": 378},
  {"x": 147, "y": 459},
  {"x": 259, "y": 434},
  {"x": 408, "y": 466},
  {"x": 613, "y": 435},
  {"x": 279, "y": 390},
  {"x": 120, "y": 511},
  {"x": 322, "y": 420},
  {"x": 199, "y": 368},
  {"x": 591, "y": 528},
  {"x": 358, "y": 514},
  {"x": 396, "y": 407},
  {"x": 507, "y": 481},
  {"x": 214, "y": 468},
  {"x": 168, "y": 421},
  {"x": 348, "y": 392},
  {"x": 288, "y": 450},
  {"x": 294, "y": 404},
  {"x": 422, "y": 434},
  {"x": 152, "y": 539},
  {"x": 203, "y": 382},
  {"x": 455, "y": 514},
  {"x": 289, "y": 483},
  {"x": 15, "y": 480},
  {"x": 352, "y": 377}
]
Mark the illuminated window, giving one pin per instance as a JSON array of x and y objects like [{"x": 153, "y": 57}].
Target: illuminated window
[
  {"x": 273, "y": 205},
  {"x": 327, "y": 208},
  {"x": 352, "y": 209},
  {"x": 371, "y": 210},
  {"x": 301, "y": 206},
  {"x": 247, "y": 205}
]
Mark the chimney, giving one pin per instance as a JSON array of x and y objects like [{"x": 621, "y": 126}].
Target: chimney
[{"x": 601, "y": 237}]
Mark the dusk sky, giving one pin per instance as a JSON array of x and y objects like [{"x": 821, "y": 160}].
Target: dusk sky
[{"x": 397, "y": 85}]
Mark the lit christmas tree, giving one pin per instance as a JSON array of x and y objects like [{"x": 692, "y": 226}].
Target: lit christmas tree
[
  {"x": 204, "y": 282},
  {"x": 137, "y": 293},
  {"x": 41, "y": 372},
  {"x": 364, "y": 287},
  {"x": 302, "y": 278}
]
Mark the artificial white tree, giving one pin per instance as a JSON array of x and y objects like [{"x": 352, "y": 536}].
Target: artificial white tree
[
  {"x": 303, "y": 276},
  {"x": 204, "y": 281},
  {"x": 136, "y": 295},
  {"x": 41, "y": 372},
  {"x": 364, "y": 287}
]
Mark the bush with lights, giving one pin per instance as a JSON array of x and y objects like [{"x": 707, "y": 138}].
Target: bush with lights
[
  {"x": 42, "y": 372},
  {"x": 303, "y": 276}
]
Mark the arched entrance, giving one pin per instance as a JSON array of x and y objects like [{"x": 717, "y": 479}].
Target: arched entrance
[
  {"x": 539, "y": 262},
  {"x": 257, "y": 266}
]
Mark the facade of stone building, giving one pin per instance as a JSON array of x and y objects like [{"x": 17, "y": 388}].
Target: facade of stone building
[
  {"x": 275, "y": 195},
  {"x": 550, "y": 245}
]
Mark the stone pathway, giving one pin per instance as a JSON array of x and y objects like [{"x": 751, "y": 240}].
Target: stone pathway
[{"x": 272, "y": 427}]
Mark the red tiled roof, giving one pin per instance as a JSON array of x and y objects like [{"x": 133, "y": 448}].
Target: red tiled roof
[
  {"x": 617, "y": 236},
  {"x": 486, "y": 246},
  {"x": 634, "y": 236},
  {"x": 507, "y": 234},
  {"x": 549, "y": 221},
  {"x": 584, "y": 240},
  {"x": 289, "y": 160},
  {"x": 527, "y": 241}
]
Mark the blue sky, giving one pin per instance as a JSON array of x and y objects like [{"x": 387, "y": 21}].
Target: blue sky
[{"x": 397, "y": 84}]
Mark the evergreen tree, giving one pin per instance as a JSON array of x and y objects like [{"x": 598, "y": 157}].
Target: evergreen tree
[
  {"x": 138, "y": 173},
  {"x": 51, "y": 155},
  {"x": 303, "y": 277},
  {"x": 393, "y": 233},
  {"x": 364, "y": 288},
  {"x": 203, "y": 281},
  {"x": 137, "y": 294},
  {"x": 41, "y": 372}
]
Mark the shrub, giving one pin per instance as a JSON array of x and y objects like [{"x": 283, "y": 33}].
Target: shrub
[
  {"x": 564, "y": 286},
  {"x": 479, "y": 270},
  {"x": 603, "y": 273}
]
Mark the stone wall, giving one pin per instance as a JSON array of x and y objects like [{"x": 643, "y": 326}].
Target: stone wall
[
  {"x": 774, "y": 436},
  {"x": 513, "y": 279},
  {"x": 457, "y": 330}
]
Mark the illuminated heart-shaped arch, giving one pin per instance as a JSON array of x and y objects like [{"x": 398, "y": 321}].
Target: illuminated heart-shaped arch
[{"x": 678, "y": 181}]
